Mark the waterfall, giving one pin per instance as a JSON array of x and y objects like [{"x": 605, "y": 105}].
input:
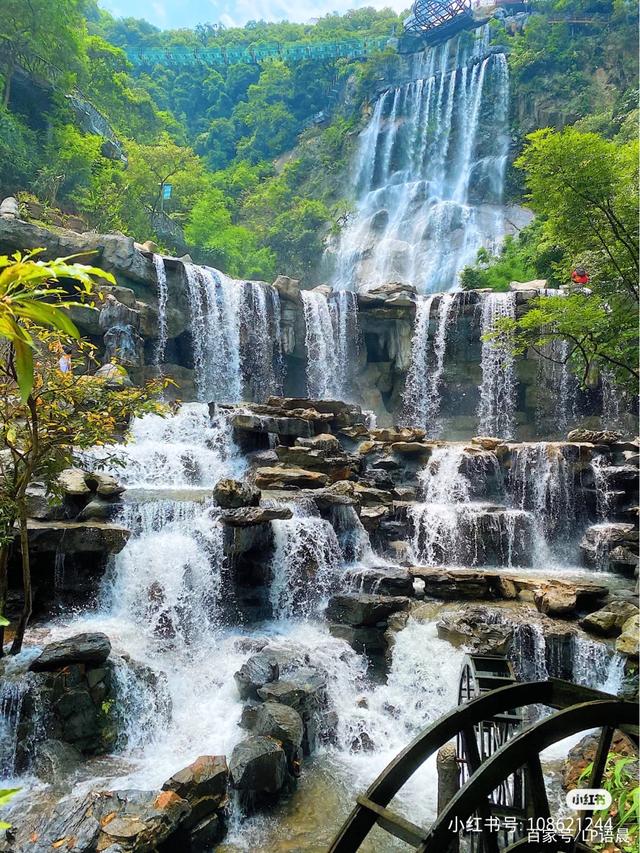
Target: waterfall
[
  {"x": 560, "y": 386},
  {"x": 163, "y": 296},
  {"x": 344, "y": 308},
  {"x": 190, "y": 448},
  {"x": 12, "y": 696},
  {"x": 496, "y": 411},
  {"x": 450, "y": 528},
  {"x": 429, "y": 173},
  {"x": 422, "y": 395},
  {"x": 262, "y": 358},
  {"x": 414, "y": 399},
  {"x": 604, "y": 495},
  {"x": 353, "y": 539},
  {"x": 540, "y": 480},
  {"x": 331, "y": 342},
  {"x": 214, "y": 303},
  {"x": 305, "y": 563}
]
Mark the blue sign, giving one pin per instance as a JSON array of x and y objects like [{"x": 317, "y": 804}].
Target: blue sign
[{"x": 166, "y": 191}]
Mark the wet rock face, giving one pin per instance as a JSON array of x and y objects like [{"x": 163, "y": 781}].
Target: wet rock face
[
  {"x": 361, "y": 619},
  {"x": 90, "y": 649},
  {"x": 258, "y": 769},
  {"x": 611, "y": 545},
  {"x": 233, "y": 494},
  {"x": 131, "y": 821},
  {"x": 203, "y": 785}
]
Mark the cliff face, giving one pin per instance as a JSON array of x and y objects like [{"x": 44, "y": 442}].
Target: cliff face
[{"x": 266, "y": 339}]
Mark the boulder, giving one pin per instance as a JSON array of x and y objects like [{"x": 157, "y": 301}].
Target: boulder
[
  {"x": 593, "y": 436},
  {"x": 73, "y": 482},
  {"x": 538, "y": 285},
  {"x": 287, "y": 478},
  {"x": 383, "y": 580},
  {"x": 129, "y": 821},
  {"x": 365, "y": 640},
  {"x": 54, "y": 761},
  {"x": 609, "y": 621},
  {"x": 288, "y": 288},
  {"x": 629, "y": 640},
  {"x": 249, "y": 516},
  {"x": 203, "y": 784},
  {"x": 584, "y": 752},
  {"x": 105, "y": 485},
  {"x": 452, "y": 585},
  {"x": 324, "y": 441},
  {"x": 233, "y": 494},
  {"x": 258, "y": 768},
  {"x": 486, "y": 442},
  {"x": 364, "y": 609},
  {"x": 114, "y": 376},
  {"x": 284, "y": 724},
  {"x": 76, "y": 537},
  {"x": 40, "y": 506},
  {"x": 99, "y": 509},
  {"x": 10, "y": 209},
  {"x": 90, "y": 649},
  {"x": 476, "y": 629},
  {"x": 258, "y": 670}
]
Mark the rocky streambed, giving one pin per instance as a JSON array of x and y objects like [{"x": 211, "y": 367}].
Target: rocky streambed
[{"x": 270, "y": 600}]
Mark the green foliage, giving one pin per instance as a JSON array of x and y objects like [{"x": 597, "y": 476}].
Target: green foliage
[
  {"x": 575, "y": 58},
  {"x": 6, "y": 794},
  {"x": 621, "y": 781},
  {"x": 27, "y": 289},
  {"x": 585, "y": 190}
]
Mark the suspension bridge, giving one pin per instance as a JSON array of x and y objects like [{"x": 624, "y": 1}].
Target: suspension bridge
[{"x": 431, "y": 22}]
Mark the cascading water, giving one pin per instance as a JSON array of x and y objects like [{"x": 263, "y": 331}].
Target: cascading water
[
  {"x": 191, "y": 448},
  {"x": 421, "y": 400},
  {"x": 344, "y": 308},
  {"x": 496, "y": 411},
  {"x": 214, "y": 302},
  {"x": 262, "y": 360},
  {"x": 540, "y": 481},
  {"x": 331, "y": 342},
  {"x": 430, "y": 171},
  {"x": 414, "y": 399},
  {"x": 163, "y": 297},
  {"x": 305, "y": 563},
  {"x": 450, "y": 528}
]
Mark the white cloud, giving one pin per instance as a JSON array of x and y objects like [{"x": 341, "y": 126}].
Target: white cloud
[
  {"x": 188, "y": 13},
  {"x": 238, "y": 13}
]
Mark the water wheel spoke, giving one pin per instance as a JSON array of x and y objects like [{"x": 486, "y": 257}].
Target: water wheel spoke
[
  {"x": 394, "y": 824},
  {"x": 597, "y": 772},
  {"x": 539, "y": 802}
]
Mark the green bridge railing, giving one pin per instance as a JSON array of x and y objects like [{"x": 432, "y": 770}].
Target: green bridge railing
[{"x": 214, "y": 56}]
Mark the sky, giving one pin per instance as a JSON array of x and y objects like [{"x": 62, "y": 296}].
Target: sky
[{"x": 170, "y": 14}]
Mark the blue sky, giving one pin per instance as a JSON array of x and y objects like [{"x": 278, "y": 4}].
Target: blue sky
[{"x": 169, "y": 14}]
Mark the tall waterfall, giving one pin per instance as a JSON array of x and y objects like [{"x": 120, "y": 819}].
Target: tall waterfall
[
  {"x": 498, "y": 390},
  {"x": 429, "y": 172},
  {"x": 235, "y": 329},
  {"x": 331, "y": 343},
  {"x": 214, "y": 301},
  {"x": 163, "y": 296},
  {"x": 421, "y": 402}
]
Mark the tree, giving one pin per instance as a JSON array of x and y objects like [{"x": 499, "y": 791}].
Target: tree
[
  {"x": 585, "y": 190},
  {"x": 33, "y": 30},
  {"x": 64, "y": 413},
  {"x": 28, "y": 287}
]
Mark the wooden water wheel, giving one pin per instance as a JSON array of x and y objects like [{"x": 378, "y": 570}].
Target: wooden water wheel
[{"x": 500, "y": 761}]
